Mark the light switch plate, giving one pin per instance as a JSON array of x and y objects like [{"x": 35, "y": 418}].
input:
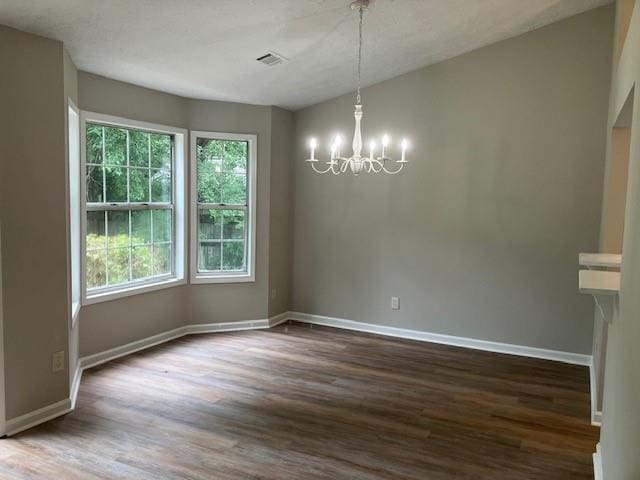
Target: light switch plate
[{"x": 57, "y": 361}]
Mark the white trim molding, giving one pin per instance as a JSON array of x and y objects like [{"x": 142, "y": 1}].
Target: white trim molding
[
  {"x": 75, "y": 385},
  {"x": 596, "y": 415},
  {"x": 31, "y": 419},
  {"x": 597, "y": 464},
  {"x": 485, "y": 345},
  {"x": 65, "y": 406},
  {"x": 179, "y": 202},
  {"x": 249, "y": 274}
]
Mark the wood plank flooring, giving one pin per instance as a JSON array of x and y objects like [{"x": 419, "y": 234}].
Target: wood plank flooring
[{"x": 296, "y": 402}]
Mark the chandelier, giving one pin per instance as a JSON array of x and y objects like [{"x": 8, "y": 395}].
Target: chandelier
[{"x": 357, "y": 163}]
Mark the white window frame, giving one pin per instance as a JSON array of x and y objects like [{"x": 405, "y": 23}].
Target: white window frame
[
  {"x": 179, "y": 178},
  {"x": 225, "y": 277},
  {"x": 74, "y": 209}
]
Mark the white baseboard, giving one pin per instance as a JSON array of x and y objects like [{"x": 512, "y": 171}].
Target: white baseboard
[
  {"x": 596, "y": 415},
  {"x": 31, "y": 419},
  {"x": 129, "y": 348},
  {"x": 597, "y": 464},
  {"x": 75, "y": 385},
  {"x": 488, "y": 346},
  {"x": 227, "y": 326},
  {"x": 62, "y": 407},
  {"x": 278, "y": 319}
]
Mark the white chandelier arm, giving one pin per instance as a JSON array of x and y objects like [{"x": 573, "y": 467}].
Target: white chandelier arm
[
  {"x": 317, "y": 170},
  {"x": 394, "y": 172},
  {"x": 372, "y": 165},
  {"x": 345, "y": 163}
]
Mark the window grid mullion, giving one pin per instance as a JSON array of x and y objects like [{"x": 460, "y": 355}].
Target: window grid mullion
[
  {"x": 104, "y": 166},
  {"x": 221, "y": 206},
  {"x": 153, "y": 249},
  {"x": 128, "y": 206},
  {"x": 221, "y": 238},
  {"x": 106, "y": 246},
  {"x": 149, "y": 166}
]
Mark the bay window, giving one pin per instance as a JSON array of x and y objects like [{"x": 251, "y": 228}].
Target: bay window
[
  {"x": 134, "y": 207},
  {"x": 223, "y": 168}
]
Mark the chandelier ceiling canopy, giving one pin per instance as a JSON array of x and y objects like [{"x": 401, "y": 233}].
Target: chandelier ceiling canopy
[{"x": 357, "y": 163}]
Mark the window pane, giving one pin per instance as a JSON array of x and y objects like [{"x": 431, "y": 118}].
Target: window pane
[
  {"x": 138, "y": 185},
  {"x": 138, "y": 148},
  {"x": 116, "y": 184},
  {"x": 233, "y": 224},
  {"x": 115, "y": 146},
  {"x": 209, "y": 256},
  {"x": 210, "y": 150},
  {"x": 209, "y": 190},
  {"x": 140, "y": 227},
  {"x": 94, "y": 143},
  {"x": 160, "y": 186},
  {"x": 234, "y": 189},
  {"x": 233, "y": 255},
  {"x": 210, "y": 225},
  {"x": 141, "y": 262},
  {"x": 235, "y": 157},
  {"x": 95, "y": 181},
  {"x": 96, "y": 269},
  {"x": 96, "y": 238},
  {"x": 161, "y": 259},
  {"x": 161, "y": 225},
  {"x": 118, "y": 229},
  {"x": 118, "y": 265},
  {"x": 160, "y": 151}
]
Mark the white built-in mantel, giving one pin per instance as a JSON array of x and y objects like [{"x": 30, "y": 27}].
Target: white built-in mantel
[{"x": 601, "y": 279}]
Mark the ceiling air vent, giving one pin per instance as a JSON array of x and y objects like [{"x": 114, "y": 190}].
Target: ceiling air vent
[{"x": 271, "y": 59}]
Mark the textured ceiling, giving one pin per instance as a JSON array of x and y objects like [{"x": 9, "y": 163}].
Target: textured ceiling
[{"x": 207, "y": 48}]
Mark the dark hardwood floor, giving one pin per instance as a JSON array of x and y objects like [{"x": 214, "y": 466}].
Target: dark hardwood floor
[{"x": 315, "y": 403}]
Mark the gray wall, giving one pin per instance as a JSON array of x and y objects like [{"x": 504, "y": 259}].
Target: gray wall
[
  {"x": 111, "y": 324},
  {"x": 281, "y": 211},
  {"x": 33, "y": 216},
  {"x": 620, "y": 437},
  {"x": 241, "y": 301},
  {"x": 479, "y": 236}
]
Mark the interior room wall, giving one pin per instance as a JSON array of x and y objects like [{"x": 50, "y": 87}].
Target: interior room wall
[
  {"x": 118, "y": 322},
  {"x": 32, "y": 200},
  {"x": 281, "y": 211},
  {"x": 479, "y": 236},
  {"x": 620, "y": 434},
  {"x": 228, "y": 302},
  {"x": 110, "y": 324}
]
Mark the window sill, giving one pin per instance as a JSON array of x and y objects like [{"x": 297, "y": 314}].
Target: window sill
[
  {"x": 132, "y": 290},
  {"x": 239, "y": 278}
]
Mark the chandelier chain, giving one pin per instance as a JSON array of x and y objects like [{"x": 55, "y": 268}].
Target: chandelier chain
[{"x": 359, "y": 54}]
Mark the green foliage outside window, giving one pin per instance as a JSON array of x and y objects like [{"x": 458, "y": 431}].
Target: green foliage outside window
[
  {"x": 127, "y": 166},
  {"x": 222, "y": 182}
]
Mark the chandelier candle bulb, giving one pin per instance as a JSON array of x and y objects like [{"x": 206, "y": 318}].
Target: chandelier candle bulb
[
  {"x": 313, "y": 144},
  {"x": 385, "y": 143},
  {"x": 372, "y": 146},
  {"x": 404, "y": 144}
]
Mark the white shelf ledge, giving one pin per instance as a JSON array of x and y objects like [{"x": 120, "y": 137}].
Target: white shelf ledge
[
  {"x": 604, "y": 287},
  {"x": 599, "y": 282},
  {"x": 600, "y": 260}
]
